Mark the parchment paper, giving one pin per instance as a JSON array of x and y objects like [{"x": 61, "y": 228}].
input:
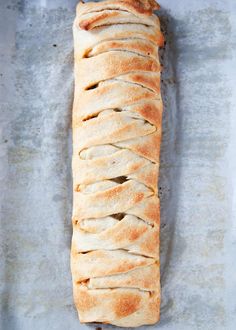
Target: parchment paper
[{"x": 198, "y": 165}]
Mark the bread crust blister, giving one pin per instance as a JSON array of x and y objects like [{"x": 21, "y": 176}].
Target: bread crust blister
[{"x": 117, "y": 114}]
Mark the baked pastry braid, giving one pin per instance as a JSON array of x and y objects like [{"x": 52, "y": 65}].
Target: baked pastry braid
[{"x": 116, "y": 143}]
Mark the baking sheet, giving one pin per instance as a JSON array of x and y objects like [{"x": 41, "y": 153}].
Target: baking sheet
[{"x": 198, "y": 165}]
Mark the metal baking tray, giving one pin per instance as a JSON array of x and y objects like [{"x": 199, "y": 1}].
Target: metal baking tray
[{"x": 197, "y": 177}]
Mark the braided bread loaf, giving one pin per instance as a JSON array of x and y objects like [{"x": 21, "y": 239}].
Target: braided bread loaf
[{"x": 116, "y": 141}]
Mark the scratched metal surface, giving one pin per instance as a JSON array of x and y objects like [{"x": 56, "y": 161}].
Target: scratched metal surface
[{"x": 198, "y": 165}]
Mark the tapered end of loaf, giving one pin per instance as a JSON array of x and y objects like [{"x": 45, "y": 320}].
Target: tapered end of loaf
[{"x": 140, "y": 7}]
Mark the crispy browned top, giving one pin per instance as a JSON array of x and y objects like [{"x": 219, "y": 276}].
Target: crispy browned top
[{"x": 140, "y": 6}]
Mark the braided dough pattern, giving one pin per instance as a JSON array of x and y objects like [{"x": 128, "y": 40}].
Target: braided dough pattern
[{"x": 116, "y": 142}]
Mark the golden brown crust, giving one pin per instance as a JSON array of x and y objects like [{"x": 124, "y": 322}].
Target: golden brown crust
[
  {"x": 117, "y": 115},
  {"x": 143, "y": 47},
  {"x": 85, "y": 265},
  {"x": 145, "y": 278},
  {"x": 145, "y": 7},
  {"x": 115, "y": 64},
  {"x": 123, "y": 304},
  {"x": 127, "y": 304}
]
